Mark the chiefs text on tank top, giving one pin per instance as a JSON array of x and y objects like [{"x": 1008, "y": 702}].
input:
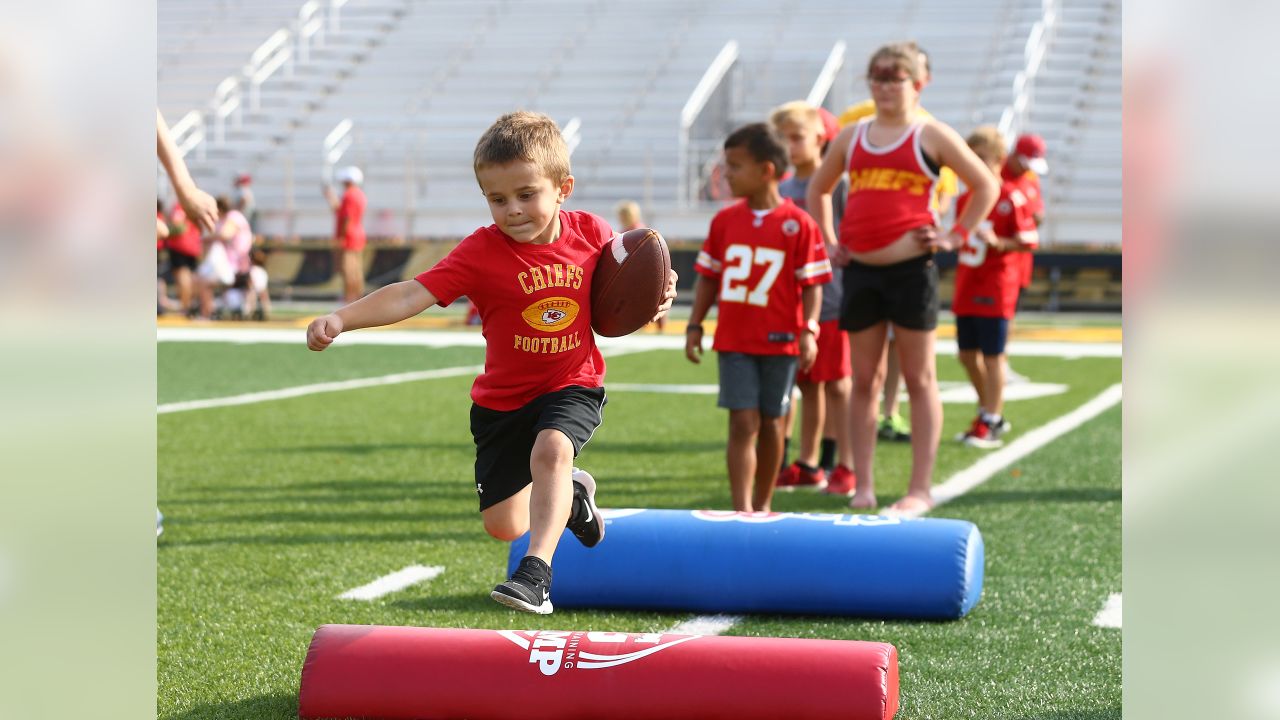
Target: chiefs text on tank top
[{"x": 889, "y": 190}]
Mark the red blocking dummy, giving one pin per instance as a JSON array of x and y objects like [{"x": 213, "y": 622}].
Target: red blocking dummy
[{"x": 370, "y": 671}]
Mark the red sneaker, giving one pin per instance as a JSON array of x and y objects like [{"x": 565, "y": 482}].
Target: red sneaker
[
  {"x": 843, "y": 482},
  {"x": 787, "y": 479}
]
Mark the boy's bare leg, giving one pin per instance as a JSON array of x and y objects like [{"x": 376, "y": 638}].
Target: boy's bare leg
[
  {"x": 551, "y": 500},
  {"x": 892, "y": 376},
  {"x": 838, "y": 392},
  {"x": 352, "y": 275},
  {"x": 919, "y": 372},
  {"x": 867, "y": 351},
  {"x": 994, "y": 396},
  {"x": 768, "y": 455},
  {"x": 182, "y": 278},
  {"x": 508, "y": 519},
  {"x": 744, "y": 428},
  {"x": 977, "y": 375},
  {"x": 811, "y": 418}
]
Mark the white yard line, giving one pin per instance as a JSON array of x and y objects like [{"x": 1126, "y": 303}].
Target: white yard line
[
  {"x": 1110, "y": 615},
  {"x": 704, "y": 625},
  {"x": 634, "y": 343},
  {"x": 301, "y": 390},
  {"x": 397, "y": 580},
  {"x": 983, "y": 470}
]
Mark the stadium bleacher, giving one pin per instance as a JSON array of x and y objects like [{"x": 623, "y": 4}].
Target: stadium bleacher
[{"x": 420, "y": 81}]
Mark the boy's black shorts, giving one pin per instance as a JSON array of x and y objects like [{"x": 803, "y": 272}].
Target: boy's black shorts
[
  {"x": 504, "y": 440},
  {"x": 905, "y": 294},
  {"x": 182, "y": 260}
]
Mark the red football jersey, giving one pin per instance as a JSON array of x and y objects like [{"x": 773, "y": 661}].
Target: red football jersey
[
  {"x": 762, "y": 264},
  {"x": 987, "y": 280},
  {"x": 535, "y": 308},
  {"x": 1029, "y": 184},
  {"x": 351, "y": 209},
  {"x": 890, "y": 189}
]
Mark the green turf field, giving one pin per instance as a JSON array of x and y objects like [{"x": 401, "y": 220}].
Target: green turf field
[{"x": 274, "y": 509}]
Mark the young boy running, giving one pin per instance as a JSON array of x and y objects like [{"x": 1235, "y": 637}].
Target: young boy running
[
  {"x": 541, "y": 396},
  {"x": 764, "y": 262}
]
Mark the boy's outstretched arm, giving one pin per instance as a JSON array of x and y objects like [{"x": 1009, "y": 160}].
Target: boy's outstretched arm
[
  {"x": 704, "y": 295},
  {"x": 385, "y": 306}
]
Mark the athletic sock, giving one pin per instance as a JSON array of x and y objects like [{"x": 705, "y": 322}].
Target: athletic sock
[
  {"x": 786, "y": 452},
  {"x": 828, "y": 460}
]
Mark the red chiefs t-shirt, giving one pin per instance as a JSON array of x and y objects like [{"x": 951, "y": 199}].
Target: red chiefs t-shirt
[
  {"x": 1029, "y": 184},
  {"x": 351, "y": 209},
  {"x": 762, "y": 264},
  {"x": 987, "y": 280},
  {"x": 890, "y": 190},
  {"x": 535, "y": 308},
  {"x": 188, "y": 241}
]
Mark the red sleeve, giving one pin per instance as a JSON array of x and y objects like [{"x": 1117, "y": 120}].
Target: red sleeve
[
  {"x": 810, "y": 255},
  {"x": 452, "y": 276},
  {"x": 710, "y": 262}
]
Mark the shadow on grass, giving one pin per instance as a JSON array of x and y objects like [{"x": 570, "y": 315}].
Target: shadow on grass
[
  {"x": 324, "y": 539},
  {"x": 276, "y": 706},
  {"x": 1053, "y": 495},
  {"x": 363, "y": 448}
]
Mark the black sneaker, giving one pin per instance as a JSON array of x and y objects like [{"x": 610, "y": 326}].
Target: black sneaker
[
  {"x": 529, "y": 588},
  {"x": 584, "y": 519}
]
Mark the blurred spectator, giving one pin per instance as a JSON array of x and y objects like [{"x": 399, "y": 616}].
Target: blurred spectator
[
  {"x": 629, "y": 215},
  {"x": 226, "y": 261},
  {"x": 244, "y": 201},
  {"x": 163, "y": 271},
  {"x": 257, "y": 302},
  {"x": 185, "y": 247},
  {"x": 348, "y": 236}
]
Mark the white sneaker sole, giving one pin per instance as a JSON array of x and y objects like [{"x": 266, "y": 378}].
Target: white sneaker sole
[
  {"x": 517, "y": 604},
  {"x": 589, "y": 484}
]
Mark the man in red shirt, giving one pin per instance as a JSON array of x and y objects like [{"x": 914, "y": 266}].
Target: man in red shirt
[
  {"x": 764, "y": 262},
  {"x": 988, "y": 277},
  {"x": 540, "y": 397},
  {"x": 348, "y": 236}
]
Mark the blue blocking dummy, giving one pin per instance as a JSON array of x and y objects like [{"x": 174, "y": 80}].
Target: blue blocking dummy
[{"x": 717, "y": 561}]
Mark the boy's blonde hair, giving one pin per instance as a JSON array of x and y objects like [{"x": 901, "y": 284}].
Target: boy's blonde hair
[
  {"x": 524, "y": 136},
  {"x": 905, "y": 55},
  {"x": 797, "y": 112},
  {"x": 987, "y": 143}
]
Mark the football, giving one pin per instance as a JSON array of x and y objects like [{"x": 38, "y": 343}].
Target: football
[{"x": 629, "y": 282}]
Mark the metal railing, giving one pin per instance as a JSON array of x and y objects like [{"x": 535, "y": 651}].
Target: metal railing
[
  {"x": 572, "y": 133},
  {"x": 336, "y": 143},
  {"x": 1042, "y": 32},
  {"x": 227, "y": 101},
  {"x": 310, "y": 29},
  {"x": 275, "y": 53},
  {"x": 827, "y": 76},
  {"x": 188, "y": 134},
  {"x": 707, "y": 110}
]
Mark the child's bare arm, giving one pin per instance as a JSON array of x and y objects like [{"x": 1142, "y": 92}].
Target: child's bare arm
[
  {"x": 811, "y": 300},
  {"x": 385, "y": 306},
  {"x": 704, "y": 296},
  {"x": 818, "y": 197}
]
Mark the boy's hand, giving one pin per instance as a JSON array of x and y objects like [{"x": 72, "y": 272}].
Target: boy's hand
[
  {"x": 199, "y": 206},
  {"x": 322, "y": 331},
  {"x": 693, "y": 344},
  {"x": 808, "y": 350},
  {"x": 839, "y": 255},
  {"x": 932, "y": 241},
  {"x": 668, "y": 297},
  {"x": 988, "y": 237}
]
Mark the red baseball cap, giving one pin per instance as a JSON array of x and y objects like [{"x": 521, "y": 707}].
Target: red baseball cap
[
  {"x": 830, "y": 125},
  {"x": 1031, "y": 147}
]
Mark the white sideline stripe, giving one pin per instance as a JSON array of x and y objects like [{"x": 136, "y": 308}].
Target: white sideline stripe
[
  {"x": 300, "y": 390},
  {"x": 637, "y": 342},
  {"x": 397, "y": 580},
  {"x": 1110, "y": 615},
  {"x": 983, "y": 470},
  {"x": 705, "y": 625}
]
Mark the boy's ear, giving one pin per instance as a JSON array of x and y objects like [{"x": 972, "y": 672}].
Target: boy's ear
[{"x": 566, "y": 188}]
